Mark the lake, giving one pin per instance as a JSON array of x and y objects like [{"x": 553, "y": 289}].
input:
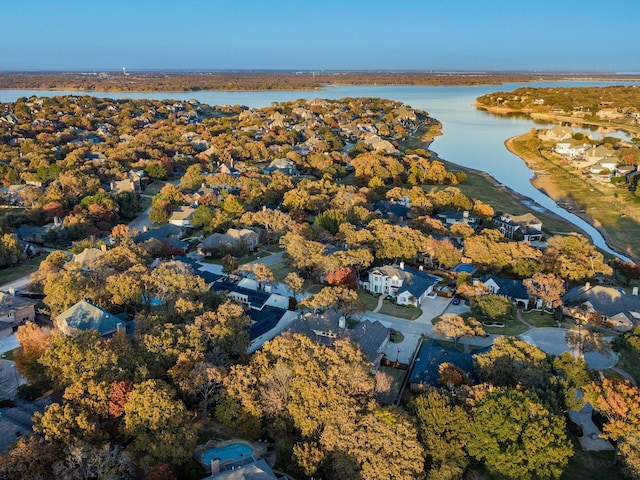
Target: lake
[{"x": 471, "y": 137}]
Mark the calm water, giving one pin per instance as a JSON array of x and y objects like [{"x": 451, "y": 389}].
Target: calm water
[{"x": 471, "y": 138}]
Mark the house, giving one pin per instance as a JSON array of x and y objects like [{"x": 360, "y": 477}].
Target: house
[
  {"x": 619, "y": 310},
  {"x": 233, "y": 238},
  {"x": 85, "y": 316},
  {"x": 253, "y": 470},
  {"x": 525, "y": 227},
  {"x": 14, "y": 311},
  {"x": 169, "y": 234},
  {"x": 328, "y": 327},
  {"x": 570, "y": 150},
  {"x": 406, "y": 285},
  {"x": 394, "y": 211},
  {"x": 181, "y": 217},
  {"x": 607, "y": 164},
  {"x": 266, "y": 310},
  {"x": 88, "y": 257},
  {"x": 556, "y": 134},
  {"x": 451, "y": 217},
  {"x": 426, "y": 368},
  {"x": 512, "y": 288},
  {"x": 595, "y": 154},
  {"x": 377, "y": 144},
  {"x": 282, "y": 165}
]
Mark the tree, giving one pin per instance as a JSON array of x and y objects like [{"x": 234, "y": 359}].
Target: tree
[
  {"x": 157, "y": 425},
  {"x": 273, "y": 221},
  {"x": 492, "y": 306},
  {"x": 455, "y": 327},
  {"x": 295, "y": 283},
  {"x": 262, "y": 272},
  {"x": 580, "y": 341},
  {"x": 84, "y": 462},
  {"x": 34, "y": 341},
  {"x": 619, "y": 401},
  {"x": 341, "y": 299},
  {"x": 443, "y": 428},
  {"x": 343, "y": 277},
  {"x": 229, "y": 264},
  {"x": 197, "y": 378},
  {"x": 516, "y": 436},
  {"x": 202, "y": 217},
  {"x": 546, "y": 287},
  {"x": 29, "y": 458},
  {"x": 574, "y": 258}
]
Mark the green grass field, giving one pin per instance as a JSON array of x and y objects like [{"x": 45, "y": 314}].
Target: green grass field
[
  {"x": 14, "y": 273},
  {"x": 400, "y": 311}
]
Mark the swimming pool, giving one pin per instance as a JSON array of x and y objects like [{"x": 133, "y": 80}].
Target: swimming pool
[{"x": 234, "y": 452}]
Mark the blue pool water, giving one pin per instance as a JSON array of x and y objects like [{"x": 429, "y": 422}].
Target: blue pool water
[{"x": 236, "y": 451}]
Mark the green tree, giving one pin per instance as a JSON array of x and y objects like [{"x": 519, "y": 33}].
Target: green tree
[
  {"x": 341, "y": 299},
  {"x": 516, "y": 436},
  {"x": 444, "y": 430},
  {"x": 157, "y": 425},
  {"x": 492, "y": 306}
]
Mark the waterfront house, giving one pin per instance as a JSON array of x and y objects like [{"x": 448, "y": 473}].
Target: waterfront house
[
  {"x": 556, "y": 134},
  {"x": 451, "y": 217},
  {"x": 519, "y": 227}
]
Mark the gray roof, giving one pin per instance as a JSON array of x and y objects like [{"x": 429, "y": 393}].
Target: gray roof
[
  {"x": 258, "y": 470},
  {"x": 606, "y": 300},
  {"x": 11, "y": 303},
  {"x": 414, "y": 281},
  {"x": 86, "y": 316},
  {"x": 325, "y": 329}
]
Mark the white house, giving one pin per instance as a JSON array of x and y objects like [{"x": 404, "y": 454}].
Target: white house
[
  {"x": 406, "y": 285},
  {"x": 181, "y": 217}
]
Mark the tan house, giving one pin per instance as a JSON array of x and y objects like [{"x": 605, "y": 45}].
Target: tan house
[
  {"x": 232, "y": 238},
  {"x": 14, "y": 311},
  {"x": 181, "y": 217}
]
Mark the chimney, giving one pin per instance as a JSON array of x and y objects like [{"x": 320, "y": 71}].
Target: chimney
[
  {"x": 145, "y": 229},
  {"x": 215, "y": 466},
  {"x": 56, "y": 221},
  {"x": 120, "y": 328},
  {"x": 635, "y": 291},
  {"x": 421, "y": 268},
  {"x": 401, "y": 265},
  {"x": 587, "y": 286},
  {"x": 12, "y": 291},
  {"x": 103, "y": 247},
  {"x": 342, "y": 323},
  {"x": 465, "y": 214}
]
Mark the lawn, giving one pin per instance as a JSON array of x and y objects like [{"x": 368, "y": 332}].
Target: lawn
[
  {"x": 280, "y": 270},
  {"x": 629, "y": 361},
  {"x": 590, "y": 465},
  {"x": 546, "y": 320},
  {"x": 400, "y": 311},
  {"x": 512, "y": 326},
  {"x": 370, "y": 300},
  {"x": 153, "y": 188},
  {"x": 14, "y": 273},
  {"x": 612, "y": 208}
]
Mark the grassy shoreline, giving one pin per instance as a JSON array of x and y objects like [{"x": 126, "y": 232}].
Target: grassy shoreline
[{"x": 615, "y": 213}]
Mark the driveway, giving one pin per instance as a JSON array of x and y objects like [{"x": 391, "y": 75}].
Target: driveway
[{"x": 551, "y": 340}]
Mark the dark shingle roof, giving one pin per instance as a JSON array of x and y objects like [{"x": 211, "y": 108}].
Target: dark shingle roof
[
  {"x": 255, "y": 298},
  {"x": 509, "y": 287},
  {"x": 431, "y": 355},
  {"x": 264, "y": 320}
]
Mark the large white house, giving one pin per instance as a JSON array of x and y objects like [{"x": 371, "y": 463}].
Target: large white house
[{"x": 407, "y": 285}]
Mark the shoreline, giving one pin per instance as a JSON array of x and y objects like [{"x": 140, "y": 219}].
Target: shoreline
[{"x": 536, "y": 181}]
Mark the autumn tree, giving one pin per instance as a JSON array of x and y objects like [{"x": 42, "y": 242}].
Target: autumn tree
[
  {"x": 574, "y": 258},
  {"x": 84, "y": 461},
  {"x": 516, "y": 436},
  {"x": 455, "y": 327},
  {"x": 619, "y": 401},
  {"x": 294, "y": 283},
  {"x": 341, "y": 299},
  {"x": 34, "y": 341},
  {"x": 343, "y": 277},
  {"x": 547, "y": 287}
]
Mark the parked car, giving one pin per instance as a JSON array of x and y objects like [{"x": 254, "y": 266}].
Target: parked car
[{"x": 456, "y": 301}]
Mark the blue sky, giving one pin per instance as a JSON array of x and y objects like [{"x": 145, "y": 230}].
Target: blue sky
[{"x": 558, "y": 35}]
